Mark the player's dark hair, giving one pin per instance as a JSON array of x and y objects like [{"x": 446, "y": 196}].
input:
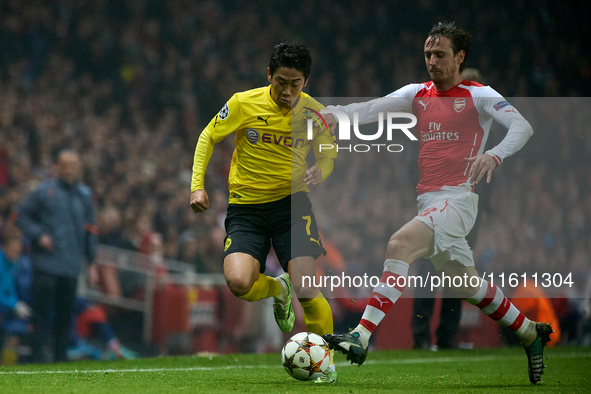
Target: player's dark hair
[
  {"x": 460, "y": 38},
  {"x": 291, "y": 55}
]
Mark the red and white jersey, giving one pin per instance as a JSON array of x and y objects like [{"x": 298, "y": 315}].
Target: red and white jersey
[{"x": 451, "y": 126}]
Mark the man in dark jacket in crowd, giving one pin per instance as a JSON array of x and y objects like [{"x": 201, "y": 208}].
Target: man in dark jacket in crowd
[{"x": 58, "y": 219}]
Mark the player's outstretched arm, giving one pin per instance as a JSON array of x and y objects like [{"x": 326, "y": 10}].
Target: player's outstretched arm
[
  {"x": 228, "y": 120},
  {"x": 369, "y": 111},
  {"x": 199, "y": 200}
]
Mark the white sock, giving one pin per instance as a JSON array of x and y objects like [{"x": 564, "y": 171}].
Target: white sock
[
  {"x": 284, "y": 290},
  {"x": 384, "y": 295},
  {"x": 529, "y": 335},
  {"x": 364, "y": 335}
]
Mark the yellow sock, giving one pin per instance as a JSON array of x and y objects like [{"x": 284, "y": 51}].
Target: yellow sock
[
  {"x": 318, "y": 317},
  {"x": 263, "y": 287}
]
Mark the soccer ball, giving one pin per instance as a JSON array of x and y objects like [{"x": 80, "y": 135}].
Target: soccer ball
[{"x": 305, "y": 356}]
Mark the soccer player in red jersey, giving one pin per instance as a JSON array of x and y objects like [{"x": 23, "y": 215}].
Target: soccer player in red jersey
[{"x": 454, "y": 117}]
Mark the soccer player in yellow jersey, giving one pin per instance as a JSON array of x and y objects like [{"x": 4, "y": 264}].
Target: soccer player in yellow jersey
[{"x": 268, "y": 185}]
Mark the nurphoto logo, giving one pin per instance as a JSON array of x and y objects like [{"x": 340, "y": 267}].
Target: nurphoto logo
[{"x": 344, "y": 130}]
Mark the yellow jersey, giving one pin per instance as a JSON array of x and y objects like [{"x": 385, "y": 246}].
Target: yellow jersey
[{"x": 271, "y": 145}]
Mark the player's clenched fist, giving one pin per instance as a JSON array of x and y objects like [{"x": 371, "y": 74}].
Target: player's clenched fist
[
  {"x": 199, "y": 200},
  {"x": 313, "y": 176}
]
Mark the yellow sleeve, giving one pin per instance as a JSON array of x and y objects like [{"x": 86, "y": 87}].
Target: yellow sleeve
[
  {"x": 326, "y": 164},
  {"x": 228, "y": 120},
  {"x": 325, "y": 151},
  {"x": 324, "y": 144},
  {"x": 203, "y": 152}
]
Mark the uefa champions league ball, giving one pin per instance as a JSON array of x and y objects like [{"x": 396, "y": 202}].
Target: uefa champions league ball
[{"x": 305, "y": 356}]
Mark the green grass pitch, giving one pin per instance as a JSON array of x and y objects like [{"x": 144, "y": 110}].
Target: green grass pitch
[{"x": 453, "y": 371}]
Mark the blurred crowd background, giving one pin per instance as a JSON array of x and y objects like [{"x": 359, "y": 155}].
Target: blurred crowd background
[{"x": 130, "y": 84}]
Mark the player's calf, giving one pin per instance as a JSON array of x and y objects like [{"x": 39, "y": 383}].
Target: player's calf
[
  {"x": 462, "y": 281},
  {"x": 302, "y": 271},
  {"x": 463, "y": 292},
  {"x": 414, "y": 240},
  {"x": 492, "y": 302}
]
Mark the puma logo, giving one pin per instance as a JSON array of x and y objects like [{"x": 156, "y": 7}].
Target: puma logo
[
  {"x": 264, "y": 120},
  {"x": 424, "y": 105},
  {"x": 380, "y": 301},
  {"x": 316, "y": 240}
]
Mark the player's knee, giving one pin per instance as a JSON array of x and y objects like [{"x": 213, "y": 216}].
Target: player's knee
[
  {"x": 398, "y": 247},
  {"x": 239, "y": 286}
]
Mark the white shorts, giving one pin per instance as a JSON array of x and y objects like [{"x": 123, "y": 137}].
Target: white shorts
[{"x": 450, "y": 213}]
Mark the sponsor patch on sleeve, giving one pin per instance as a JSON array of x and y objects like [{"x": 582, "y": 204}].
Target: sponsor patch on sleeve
[{"x": 501, "y": 104}]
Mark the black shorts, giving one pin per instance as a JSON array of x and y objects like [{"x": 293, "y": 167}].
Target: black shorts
[{"x": 288, "y": 224}]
